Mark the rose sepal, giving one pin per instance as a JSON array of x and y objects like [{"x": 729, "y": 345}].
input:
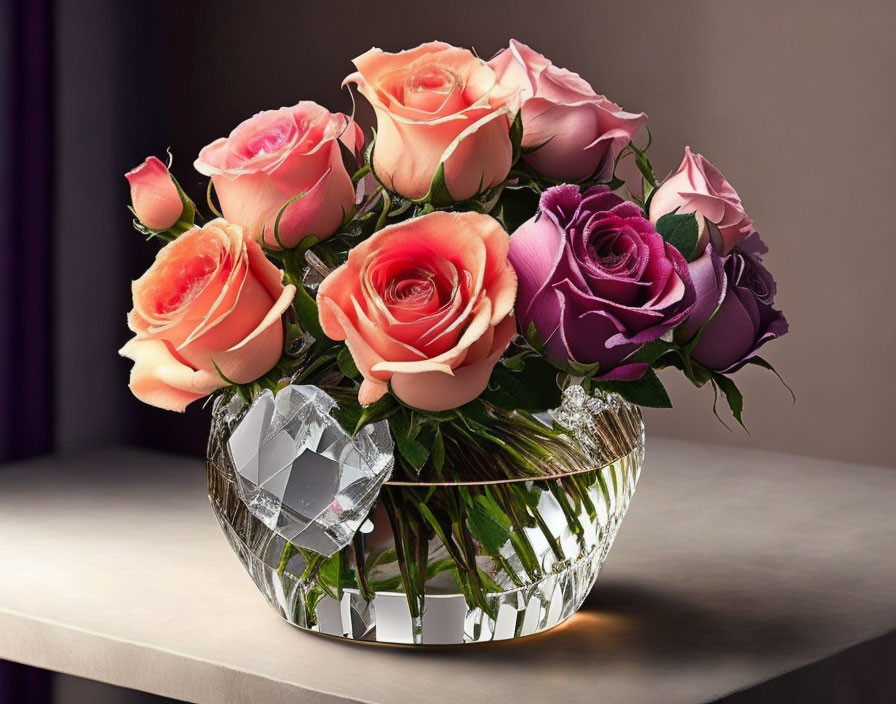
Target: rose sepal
[
  {"x": 647, "y": 390},
  {"x": 439, "y": 195},
  {"x": 682, "y": 231}
]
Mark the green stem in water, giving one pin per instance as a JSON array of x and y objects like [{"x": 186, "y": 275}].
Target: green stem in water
[
  {"x": 289, "y": 550},
  {"x": 361, "y": 567}
]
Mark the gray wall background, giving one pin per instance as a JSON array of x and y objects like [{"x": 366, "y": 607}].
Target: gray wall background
[{"x": 793, "y": 100}]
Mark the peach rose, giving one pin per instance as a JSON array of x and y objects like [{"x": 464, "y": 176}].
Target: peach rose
[
  {"x": 436, "y": 105},
  {"x": 210, "y": 298},
  {"x": 154, "y": 195},
  {"x": 699, "y": 187},
  {"x": 273, "y": 157},
  {"x": 424, "y": 305},
  {"x": 573, "y": 133}
]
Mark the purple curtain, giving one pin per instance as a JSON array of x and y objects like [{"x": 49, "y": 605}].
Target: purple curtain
[
  {"x": 26, "y": 271},
  {"x": 26, "y": 198}
]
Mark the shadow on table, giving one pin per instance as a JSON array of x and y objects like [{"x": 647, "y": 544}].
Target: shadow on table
[{"x": 627, "y": 622}]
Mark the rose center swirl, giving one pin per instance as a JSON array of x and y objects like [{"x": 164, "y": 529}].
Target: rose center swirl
[
  {"x": 188, "y": 278},
  {"x": 268, "y": 142},
  {"x": 413, "y": 289},
  {"x": 611, "y": 251},
  {"x": 430, "y": 89}
]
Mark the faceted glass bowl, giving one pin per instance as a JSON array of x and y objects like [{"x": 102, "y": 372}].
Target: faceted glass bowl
[{"x": 450, "y": 563}]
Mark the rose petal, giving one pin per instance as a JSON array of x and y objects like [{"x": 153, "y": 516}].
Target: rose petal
[
  {"x": 438, "y": 391},
  {"x": 159, "y": 379}
]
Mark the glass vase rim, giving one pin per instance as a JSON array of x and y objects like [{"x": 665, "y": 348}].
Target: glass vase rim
[{"x": 511, "y": 480}]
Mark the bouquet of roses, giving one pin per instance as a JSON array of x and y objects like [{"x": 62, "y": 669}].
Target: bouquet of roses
[{"x": 453, "y": 273}]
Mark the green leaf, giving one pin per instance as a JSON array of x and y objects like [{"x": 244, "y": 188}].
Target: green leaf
[
  {"x": 488, "y": 524},
  {"x": 438, "y": 451},
  {"x": 352, "y": 416},
  {"x": 541, "y": 377},
  {"x": 579, "y": 369},
  {"x": 645, "y": 167},
  {"x": 490, "y": 586},
  {"x": 533, "y": 337},
  {"x": 333, "y": 574},
  {"x": 652, "y": 351},
  {"x": 306, "y": 310},
  {"x": 405, "y": 430},
  {"x": 696, "y": 373},
  {"x": 438, "y": 194},
  {"x": 346, "y": 363},
  {"x": 647, "y": 391},
  {"x": 516, "y": 363},
  {"x": 474, "y": 414},
  {"x": 517, "y": 205},
  {"x": 381, "y": 556},
  {"x": 614, "y": 183},
  {"x": 438, "y": 566},
  {"x": 188, "y": 213},
  {"x": 733, "y": 395},
  {"x": 516, "y": 136},
  {"x": 507, "y": 390},
  {"x": 680, "y": 231},
  {"x": 289, "y": 550},
  {"x": 765, "y": 364}
]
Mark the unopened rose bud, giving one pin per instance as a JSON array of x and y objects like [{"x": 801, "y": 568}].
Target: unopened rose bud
[{"x": 154, "y": 195}]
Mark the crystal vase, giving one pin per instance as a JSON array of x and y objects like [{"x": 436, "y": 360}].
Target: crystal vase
[{"x": 415, "y": 562}]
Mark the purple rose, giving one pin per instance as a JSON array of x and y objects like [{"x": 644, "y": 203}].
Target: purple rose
[
  {"x": 597, "y": 280},
  {"x": 746, "y": 319}
]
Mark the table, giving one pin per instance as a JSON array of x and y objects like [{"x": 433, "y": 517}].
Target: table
[{"x": 738, "y": 575}]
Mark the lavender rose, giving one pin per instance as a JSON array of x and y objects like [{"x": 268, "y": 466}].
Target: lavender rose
[
  {"x": 744, "y": 291},
  {"x": 597, "y": 280}
]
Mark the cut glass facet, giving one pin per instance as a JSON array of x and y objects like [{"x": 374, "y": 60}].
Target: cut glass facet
[{"x": 301, "y": 474}]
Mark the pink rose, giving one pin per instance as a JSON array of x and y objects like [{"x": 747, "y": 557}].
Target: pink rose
[
  {"x": 699, "y": 187},
  {"x": 210, "y": 298},
  {"x": 573, "y": 133},
  {"x": 154, "y": 195},
  {"x": 275, "y": 156},
  {"x": 436, "y": 105},
  {"x": 424, "y": 305}
]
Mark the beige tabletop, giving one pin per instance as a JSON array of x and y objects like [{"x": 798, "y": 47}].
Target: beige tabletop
[{"x": 733, "y": 567}]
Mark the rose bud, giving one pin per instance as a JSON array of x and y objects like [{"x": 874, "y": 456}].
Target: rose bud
[
  {"x": 570, "y": 133},
  {"x": 155, "y": 197},
  {"x": 436, "y": 105},
  {"x": 745, "y": 319},
  {"x": 424, "y": 305},
  {"x": 699, "y": 187},
  {"x": 209, "y": 307},
  {"x": 597, "y": 280},
  {"x": 275, "y": 156}
]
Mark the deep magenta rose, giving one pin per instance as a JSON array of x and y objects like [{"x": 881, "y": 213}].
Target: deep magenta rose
[
  {"x": 597, "y": 280},
  {"x": 743, "y": 290}
]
